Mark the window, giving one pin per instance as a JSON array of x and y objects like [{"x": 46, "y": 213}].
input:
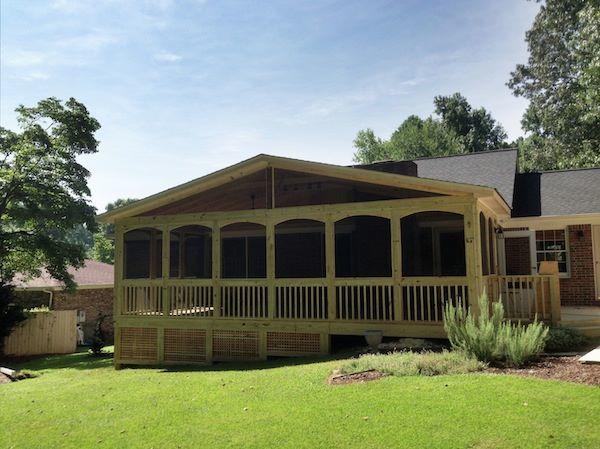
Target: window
[
  {"x": 300, "y": 249},
  {"x": 433, "y": 244},
  {"x": 485, "y": 258},
  {"x": 363, "y": 247},
  {"x": 491, "y": 237},
  {"x": 143, "y": 254},
  {"x": 191, "y": 252},
  {"x": 552, "y": 246},
  {"x": 243, "y": 251}
]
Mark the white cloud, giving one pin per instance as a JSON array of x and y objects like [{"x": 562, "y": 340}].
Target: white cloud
[
  {"x": 167, "y": 57},
  {"x": 35, "y": 76},
  {"x": 24, "y": 58}
]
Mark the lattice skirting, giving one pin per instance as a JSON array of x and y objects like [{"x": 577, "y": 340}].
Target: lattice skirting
[
  {"x": 185, "y": 345},
  {"x": 293, "y": 343},
  {"x": 235, "y": 345},
  {"x": 138, "y": 343}
]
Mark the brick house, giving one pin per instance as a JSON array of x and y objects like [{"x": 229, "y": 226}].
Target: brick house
[
  {"x": 94, "y": 295},
  {"x": 555, "y": 216}
]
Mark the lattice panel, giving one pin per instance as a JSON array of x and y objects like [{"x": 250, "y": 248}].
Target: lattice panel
[
  {"x": 138, "y": 343},
  {"x": 235, "y": 345},
  {"x": 293, "y": 343},
  {"x": 185, "y": 345}
]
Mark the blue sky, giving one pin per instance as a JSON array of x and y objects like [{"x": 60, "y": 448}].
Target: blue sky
[{"x": 183, "y": 88}]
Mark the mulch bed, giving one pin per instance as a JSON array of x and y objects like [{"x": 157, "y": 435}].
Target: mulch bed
[
  {"x": 568, "y": 369},
  {"x": 363, "y": 376}
]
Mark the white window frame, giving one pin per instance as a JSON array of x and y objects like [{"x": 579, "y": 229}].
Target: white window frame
[
  {"x": 566, "y": 274},
  {"x": 533, "y": 248}
]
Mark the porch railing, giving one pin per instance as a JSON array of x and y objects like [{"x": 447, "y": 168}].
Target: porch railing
[
  {"x": 526, "y": 297},
  {"x": 418, "y": 300}
]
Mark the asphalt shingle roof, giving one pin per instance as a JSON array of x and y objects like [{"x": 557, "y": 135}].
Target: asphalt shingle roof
[
  {"x": 564, "y": 192},
  {"x": 496, "y": 169},
  {"x": 92, "y": 273}
]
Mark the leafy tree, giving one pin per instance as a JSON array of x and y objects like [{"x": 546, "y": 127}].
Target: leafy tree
[
  {"x": 562, "y": 82},
  {"x": 43, "y": 196},
  {"x": 459, "y": 129},
  {"x": 43, "y": 189},
  {"x": 103, "y": 248},
  {"x": 476, "y": 128}
]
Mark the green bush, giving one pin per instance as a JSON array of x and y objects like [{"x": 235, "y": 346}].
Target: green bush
[
  {"x": 489, "y": 337},
  {"x": 414, "y": 364},
  {"x": 564, "y": 339}
]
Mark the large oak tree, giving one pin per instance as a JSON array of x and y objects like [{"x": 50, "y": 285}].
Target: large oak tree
[{"x": 561, "y": 79}]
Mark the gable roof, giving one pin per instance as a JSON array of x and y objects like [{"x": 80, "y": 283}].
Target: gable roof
[
  {"x": 263, "y": 161},
  {"x": 92, "y": 274},
  {"x": 562, "y": 192}
]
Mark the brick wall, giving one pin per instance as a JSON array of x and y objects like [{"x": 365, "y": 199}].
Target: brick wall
[
  {"x": 518, "y": 256},
  {"x": 579, "y": 288},
  {"x": 93, "y": 301}
]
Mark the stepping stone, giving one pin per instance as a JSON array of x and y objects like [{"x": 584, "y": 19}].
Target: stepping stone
[{"x": 591, "y": 357}]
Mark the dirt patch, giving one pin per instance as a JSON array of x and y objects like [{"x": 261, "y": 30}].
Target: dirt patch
[
  {"x": 568, "y": 369},
  {"x": 363, "y": 376}
]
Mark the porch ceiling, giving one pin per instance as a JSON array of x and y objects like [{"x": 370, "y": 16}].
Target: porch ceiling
[{"x": 263, "y": 161}]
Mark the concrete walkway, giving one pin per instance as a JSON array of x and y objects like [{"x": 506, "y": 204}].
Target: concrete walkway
[{"x": 591, "y": 357}]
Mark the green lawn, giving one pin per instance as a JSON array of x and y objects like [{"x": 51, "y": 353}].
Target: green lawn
[{"x": 82, "y": 402}]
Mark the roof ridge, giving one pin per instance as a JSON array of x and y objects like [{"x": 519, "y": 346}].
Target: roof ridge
[
  {"x": 566, "y": 169},
  {"x": 474, "y": 153}
]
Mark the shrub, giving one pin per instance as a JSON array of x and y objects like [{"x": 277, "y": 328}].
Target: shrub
[
  {"x": 489, "y": 338},
  {"x": 414, "y": 364},
  {"x": 97, "y": 344},
  {"x": 564, "y": 339},
  {"x": 520, "y": 344},
  {"x": 11, "y": 313}
]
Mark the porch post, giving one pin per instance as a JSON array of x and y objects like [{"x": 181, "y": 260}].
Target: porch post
[
  {"x": 270, "y": 230},
  {"x": 555, "y": 299},
  {"x": 118, "y": 291},
  {"x": 216, "y": 268},
  {"x": 166, "y": 265},
  {"x": 473, "y": 254},
  {"x": 330, "y": 267},
  {"x": 396, "y": 235}
]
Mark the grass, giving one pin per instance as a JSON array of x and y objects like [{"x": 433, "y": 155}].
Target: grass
[
  {"x": 80, "y": 402},
  {"x": 414, "y": 364}
]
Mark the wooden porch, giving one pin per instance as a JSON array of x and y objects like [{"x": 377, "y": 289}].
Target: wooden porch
[{"x": 171, "y": 318}]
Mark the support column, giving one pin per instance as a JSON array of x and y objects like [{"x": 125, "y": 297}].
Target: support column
[
  {"x": 118, "y": 291},
  {"x": 330, "y": 267},
  {"x": 166, "y": 257},
  {"x": 271, "y": 294},
  {"x": 216, "y": 269},
  {"x": 396, "y": 238},
  {"x": 473, "y": 254}
]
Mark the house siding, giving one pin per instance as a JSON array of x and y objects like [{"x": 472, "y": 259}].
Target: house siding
[{"x": 518, "y": 256}]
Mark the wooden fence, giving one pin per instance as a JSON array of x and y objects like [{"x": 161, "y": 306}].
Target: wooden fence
[{"x": 53, "y": 332}]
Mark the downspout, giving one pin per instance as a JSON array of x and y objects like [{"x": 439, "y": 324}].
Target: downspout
[{"x": 51, "y": 293}]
